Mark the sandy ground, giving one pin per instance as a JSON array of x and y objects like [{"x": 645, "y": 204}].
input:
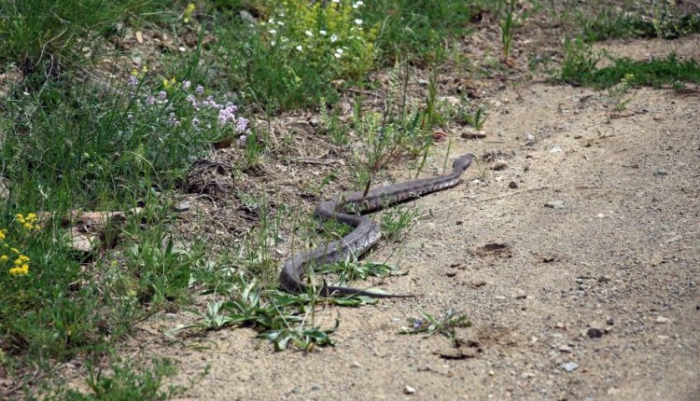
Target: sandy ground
[{"x": 577, "y": 263}]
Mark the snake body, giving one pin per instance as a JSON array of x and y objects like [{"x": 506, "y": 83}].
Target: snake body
[{"x": 366, "y": 233}]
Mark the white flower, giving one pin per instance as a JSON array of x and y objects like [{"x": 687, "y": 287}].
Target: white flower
[
  {"x": 280, "y": 23},
  {"x": 336, "y": 1},
  {"x": 309, "y": 34},
  {"x": 299, "y": 48},
  {"x": 334, "y": 38},
  {"x": 339, "y": 50},
  {"x": 358, "y": 5},
  {"x": 272, "y": 31},
  {"x": 284, "y": 40},
  {"x": 273, "y": 43},
  {"x": 322, "y": 32},
  {"x": 358, "y": 21}
]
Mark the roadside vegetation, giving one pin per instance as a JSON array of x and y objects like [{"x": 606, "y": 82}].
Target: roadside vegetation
[{"x": 106, "y": 107}]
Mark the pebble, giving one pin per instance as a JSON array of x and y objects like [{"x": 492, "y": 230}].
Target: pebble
[
  {"x": 409, "y": 390},
  {"x": 499, "y": 165},
  {"x": 555, "y": 204},
  {"x": 565, "y": 349},
  {"x": 183, "y": 206},
  {"x": 530, "y": 138},
  {"x": 513, "y": 185},
  {"x": 555, "y": 149},
  {"x": 570, "y": 366},
  {"x": 662, "y": 320},
  {"x": 661, "y": 171},
  {"x": 355, "y": 365}
]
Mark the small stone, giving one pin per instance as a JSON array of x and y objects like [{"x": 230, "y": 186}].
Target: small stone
[
  {"x": 530, "y": 137},
  {"x": 596, "y": 329},
  {"x": 520, "y": 295},
  {"x": 609, "y": 321},
  {"x": 662, "y": 320},
  {"x": 499, "y": 165},
  {"x": 423, "y": 82},
  {"x": 170, "y": 316},
  {"x": 513, "y": 185},
  {"x": 409, "y": 390},
  {"x": 247, "y": 17},
  {"x": 603, "y": 279},
  {"x": 555, "y": 149},
  {"x": 355, "y": 365},
  {"x": 555, "y": 204},
  {"x": 473, "y": 134},
  {"x": 661, "y": 171},
  {"x": 569, "y": 366},
  {"x": 565, "y": 349},
  {"x": 527, "y": 375},
  {"x": 451, "y": 273},
  {"x": 182, "y": 207}
]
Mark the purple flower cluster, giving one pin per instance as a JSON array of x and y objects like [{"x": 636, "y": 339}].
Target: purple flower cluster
[{"x": 204, "y": 110}]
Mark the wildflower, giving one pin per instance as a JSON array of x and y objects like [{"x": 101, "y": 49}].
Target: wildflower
[
  {"x": 20, "y": 271},
  {"x": 199, "y": 89},
  {"x": 300, "y": 48},
  {"x": 186, "y": 85},
  {"x": 334, "y": 38},
  {"x": 273, "y": 31},
  {"x": 150, "y": 100},
  {"x": 241, "y": 125},
  {"x": 242, "y": 141},
  {"x": 133, "y": 81},
  {"x": 195, "y": 121},
  {"x": 322, "y": 32},
  {"x": 309, "y": 34},
  {"x": 4, "y": 258},
  {"x": 188, "y": 13},
  {"x": 3, "y": 234},
  {"x": 163, "y": 95},
  {"x": 192, "y": 100},
  {"x": 358, "y": 21},
  {"x": 338, "y": 53}
]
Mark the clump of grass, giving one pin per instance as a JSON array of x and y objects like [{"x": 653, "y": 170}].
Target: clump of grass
[
  {"x": 126, "y": 380},
  {"x": 430, "y": 324},
  {"x": 579, "y": 66}
]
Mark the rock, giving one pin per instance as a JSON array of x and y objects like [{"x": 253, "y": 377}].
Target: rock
[
  {"x": 662, "y": 320},
  {"x": 555, "y": 149},
  {"x": 555, "y": 204},
  {"x": 661, "y": 171},
  {"x": 512, "y": 185},
  {"x": 594, "y": 332},
  {"x": 423, "y": 82},
  {"x": 499, "y": 165},
  {"x": 409, "y": 390},
  {"x": 530, "y": 138},
  {"x": 182, "y": 207},
  {"x": 247, "y": 17},
  {"x": 569, "y": 366},
  {"x": 565, "y": 349},
  {"x": 473, "y": 134}
]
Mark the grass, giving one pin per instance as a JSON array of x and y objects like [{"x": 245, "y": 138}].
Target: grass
[{"x": 579, "y": 67}]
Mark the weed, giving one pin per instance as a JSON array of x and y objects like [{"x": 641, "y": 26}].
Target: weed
[
  {"x": 507, "y": 26},
  {"x": 128, "y": 382},
  {"x": 476, "y": 119},
  {"x": 579, "y": 67},
  {"x": 430, "y": 324},
  {"x": 397, "y": 220}
]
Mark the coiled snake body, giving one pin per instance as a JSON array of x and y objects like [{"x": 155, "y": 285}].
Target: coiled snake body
[{"x": 366, "y": 232}]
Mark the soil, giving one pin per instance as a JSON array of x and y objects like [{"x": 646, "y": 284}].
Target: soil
[{"x": 573, "y": 246}]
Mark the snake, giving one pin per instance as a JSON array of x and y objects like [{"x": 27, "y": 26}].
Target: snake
[{"x": 350, "y": 208}]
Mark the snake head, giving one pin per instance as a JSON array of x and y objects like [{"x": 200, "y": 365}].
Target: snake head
[{"x": 463, "y": 162}]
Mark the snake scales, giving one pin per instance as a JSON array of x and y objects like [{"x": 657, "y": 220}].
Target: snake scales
[{"x": 366, "y": 232}]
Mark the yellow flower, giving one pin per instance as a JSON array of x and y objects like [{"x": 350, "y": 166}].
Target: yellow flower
[
  {"x": 4, "y": 258},
  {"x": 2, "y": 234},
  {"x": 188, "y": 13},
  {"x": 20, "y": 271}
]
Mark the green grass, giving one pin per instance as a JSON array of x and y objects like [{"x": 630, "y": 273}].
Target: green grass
[
  {"x": 579, "y": 67},
  {"x": 658, "y": 23}
]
